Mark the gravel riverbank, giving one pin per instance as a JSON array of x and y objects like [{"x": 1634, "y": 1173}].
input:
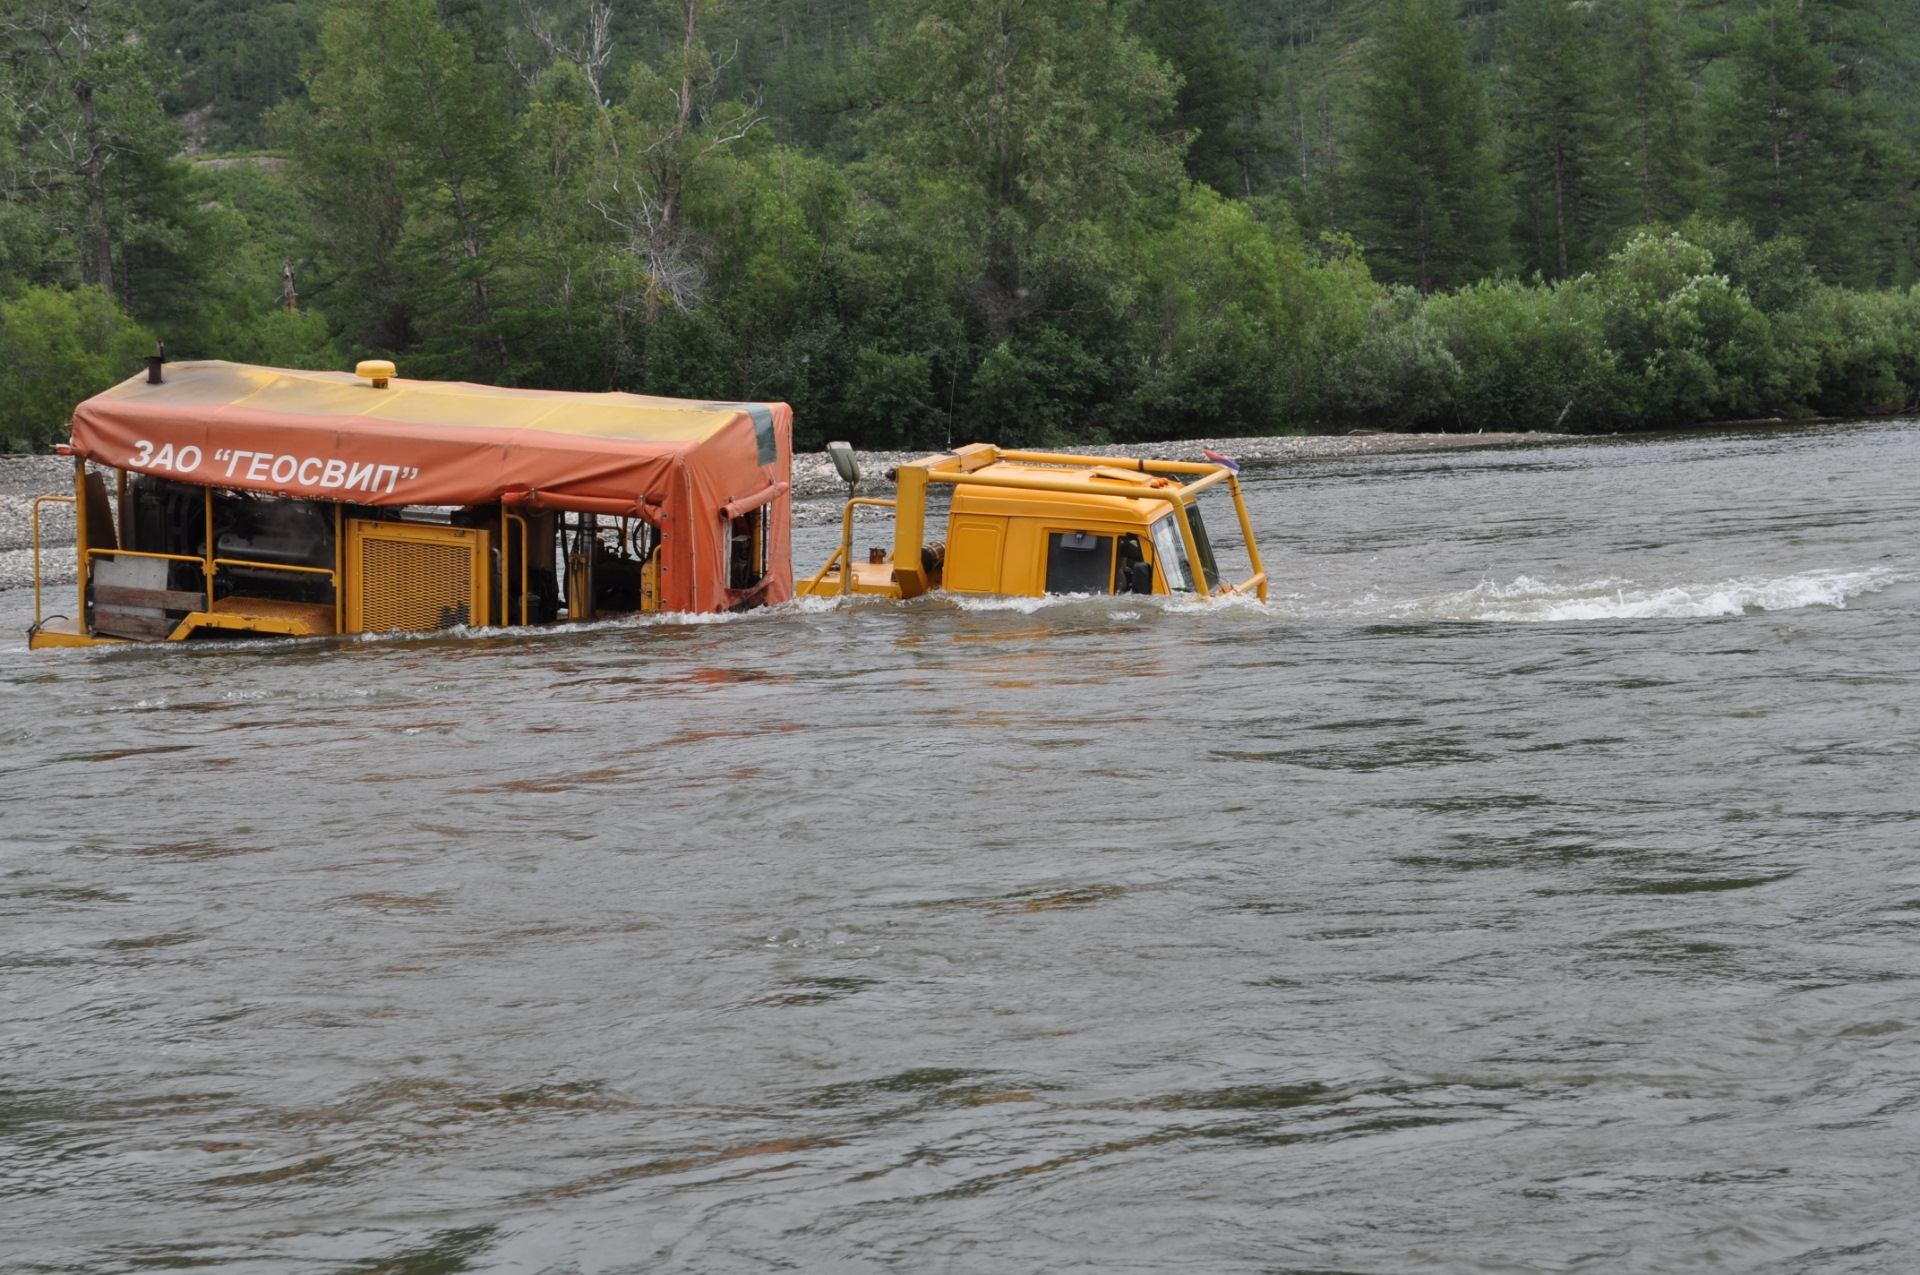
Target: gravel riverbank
[
  {"x": 817, "y": 489},
  {"x": 21, "y": 479}
]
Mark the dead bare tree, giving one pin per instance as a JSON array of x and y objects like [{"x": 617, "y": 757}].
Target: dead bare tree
[
  {"x": 672, "y": 126},
  {"x": 590, "y": 50}
]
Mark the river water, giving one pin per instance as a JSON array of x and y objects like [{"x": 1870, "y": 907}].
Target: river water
[{"x": 1533, "y": 886}]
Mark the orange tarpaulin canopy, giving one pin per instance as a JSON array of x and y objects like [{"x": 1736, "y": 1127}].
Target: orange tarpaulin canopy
[{"x": 680, "y": 464}]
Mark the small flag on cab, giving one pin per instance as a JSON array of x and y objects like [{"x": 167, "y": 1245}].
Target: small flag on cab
[{"x": 1218, "y": 459}]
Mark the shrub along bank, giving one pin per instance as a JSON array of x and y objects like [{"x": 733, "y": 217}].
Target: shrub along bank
[{"x": 1233, "y": 326}]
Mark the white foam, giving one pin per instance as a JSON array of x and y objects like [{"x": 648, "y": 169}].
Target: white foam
[
  {"x": 1527, "y": 600},
  {"x": 649, "y": 620},
  {"x": 1187, "y": 603},
  {"x": 1023, "y": 605},
  {"x": 818, "y": 603}
]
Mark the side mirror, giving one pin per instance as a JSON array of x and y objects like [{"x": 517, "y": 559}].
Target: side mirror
[
  {"x": 844, "y": 463},
  {"x": 1142, "y": 578}
]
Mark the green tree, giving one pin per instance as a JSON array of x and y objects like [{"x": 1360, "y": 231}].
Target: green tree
[
  {"x": 1773, "y": 273},
  {"x": 1868, "y": 347},
  {"x": 1687, "y": 344},
  {"x": 656, "y": 148},
  {"x": 1798, "y": 153},
  {"x": 1559, "y": 147},
  {"x": 631, "y": 209},
  {"x": 568, "y": 327},
  {"x": 1531, "y": 357},
  {"x": 1020, "y": 138},
  {"x": 1655, "y": 105},
  {"x": 87, "y": 177},
  {"x": 350, "y": 178},
  {"x": 1425, "y": 183},
  {"x": 408, "y": 154},
  {"x": 1219, "y": 95},
  {"x": 1238, "y": 321},
  {"x": 224, "y": 63},
  {"x": 58, "y": 346}
]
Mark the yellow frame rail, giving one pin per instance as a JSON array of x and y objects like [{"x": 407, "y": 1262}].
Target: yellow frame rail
[
  {"x": 37, "y": 502},
  {"x": 209, "y": 564},
  {"x": 844, "y": 554},
  {"x": 506, "y": 552}
]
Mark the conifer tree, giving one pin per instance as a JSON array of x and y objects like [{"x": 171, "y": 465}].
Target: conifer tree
[
  {"x": 1798, "y": 153},
  {"x": 1655, "y": 105},
  {"x": 1426, "y": 186},
  {"x": 1219, "y": 92},
  {"x": 1559, "y": 150}
]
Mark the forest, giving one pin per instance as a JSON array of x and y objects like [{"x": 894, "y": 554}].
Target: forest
[{"x": 929, "y": 222}]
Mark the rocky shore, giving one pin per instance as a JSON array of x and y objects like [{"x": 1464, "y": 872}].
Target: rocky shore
[
  {"x": 21, "y": 479},
  {"x": 817, "y": 489}
]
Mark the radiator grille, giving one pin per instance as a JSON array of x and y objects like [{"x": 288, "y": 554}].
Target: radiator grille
[{"x": 414, "y": 585}]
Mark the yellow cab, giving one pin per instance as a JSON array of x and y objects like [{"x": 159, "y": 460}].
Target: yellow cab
[{"x": 1030, "y": 523}]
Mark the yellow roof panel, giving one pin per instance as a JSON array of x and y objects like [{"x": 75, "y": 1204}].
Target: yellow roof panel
[{"x": 1104, "y": 488}]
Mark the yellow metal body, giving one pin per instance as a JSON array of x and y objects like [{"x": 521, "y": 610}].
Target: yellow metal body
[
  {"x": 509, "y": 521},
  {"x": 80, "y": 531},
  {"x": 1007, "y": 508},
  {"x": 61, "y": 631},
  {"x": 259, "y": 615},
  {"x": 385, "y": 576},
  {"x": 579, "y": 587},
  {"x": 237, "y": 614},
  {"x": 414, "y": 577},
  {"x": 37, "y": 619},
  {"x": 650, "y": 581},
  {"x": 866, "y": 577}
]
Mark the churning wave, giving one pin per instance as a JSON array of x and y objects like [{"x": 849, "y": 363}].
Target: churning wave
[
  {"x": 1524, "y": 600},
  {"x": 1527, "y": 600}
]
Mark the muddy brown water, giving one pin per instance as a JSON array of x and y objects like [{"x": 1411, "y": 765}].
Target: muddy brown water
[{"x": 1534, "y": 885}]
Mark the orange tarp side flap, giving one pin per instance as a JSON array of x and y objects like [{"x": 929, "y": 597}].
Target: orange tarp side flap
[
  {"x": 319, "y": 435},
  {"x": 694, "y": 577}
]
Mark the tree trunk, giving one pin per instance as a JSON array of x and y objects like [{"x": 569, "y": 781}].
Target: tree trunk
[
  {"x": 96, "y": 240},
  {"x": 1646, "y": 161},
  {"x": 670, "y": 174},
  {"x": 1423, "y": 247},
  {"x": 1560, "y": 203}
]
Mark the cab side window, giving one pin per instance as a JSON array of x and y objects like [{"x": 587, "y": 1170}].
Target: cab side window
[
  {"x": 1132, "y": 572},
  {"x": 1079, "y": 563}
]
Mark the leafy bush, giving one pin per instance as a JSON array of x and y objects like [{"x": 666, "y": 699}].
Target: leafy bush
[
  {"x": 1530, "y": 358},
  {"x": 1400, "y": 372},
  {"x": 58, "y": 347},
  {"x": 1690, "y": 346},
  {"x": 282, "y": 338},
  {"x": 1866, "y": 346}
]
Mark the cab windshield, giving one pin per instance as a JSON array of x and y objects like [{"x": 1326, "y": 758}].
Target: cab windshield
[{"x": 1172, "y": 552}]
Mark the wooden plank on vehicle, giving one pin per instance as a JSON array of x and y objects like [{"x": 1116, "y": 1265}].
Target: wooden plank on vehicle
[
  {"x": 119, "y": 595},
  {"x": 147, "y": 624}
]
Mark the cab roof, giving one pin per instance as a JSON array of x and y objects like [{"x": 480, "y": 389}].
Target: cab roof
[{"x": 970, "y": 498}]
